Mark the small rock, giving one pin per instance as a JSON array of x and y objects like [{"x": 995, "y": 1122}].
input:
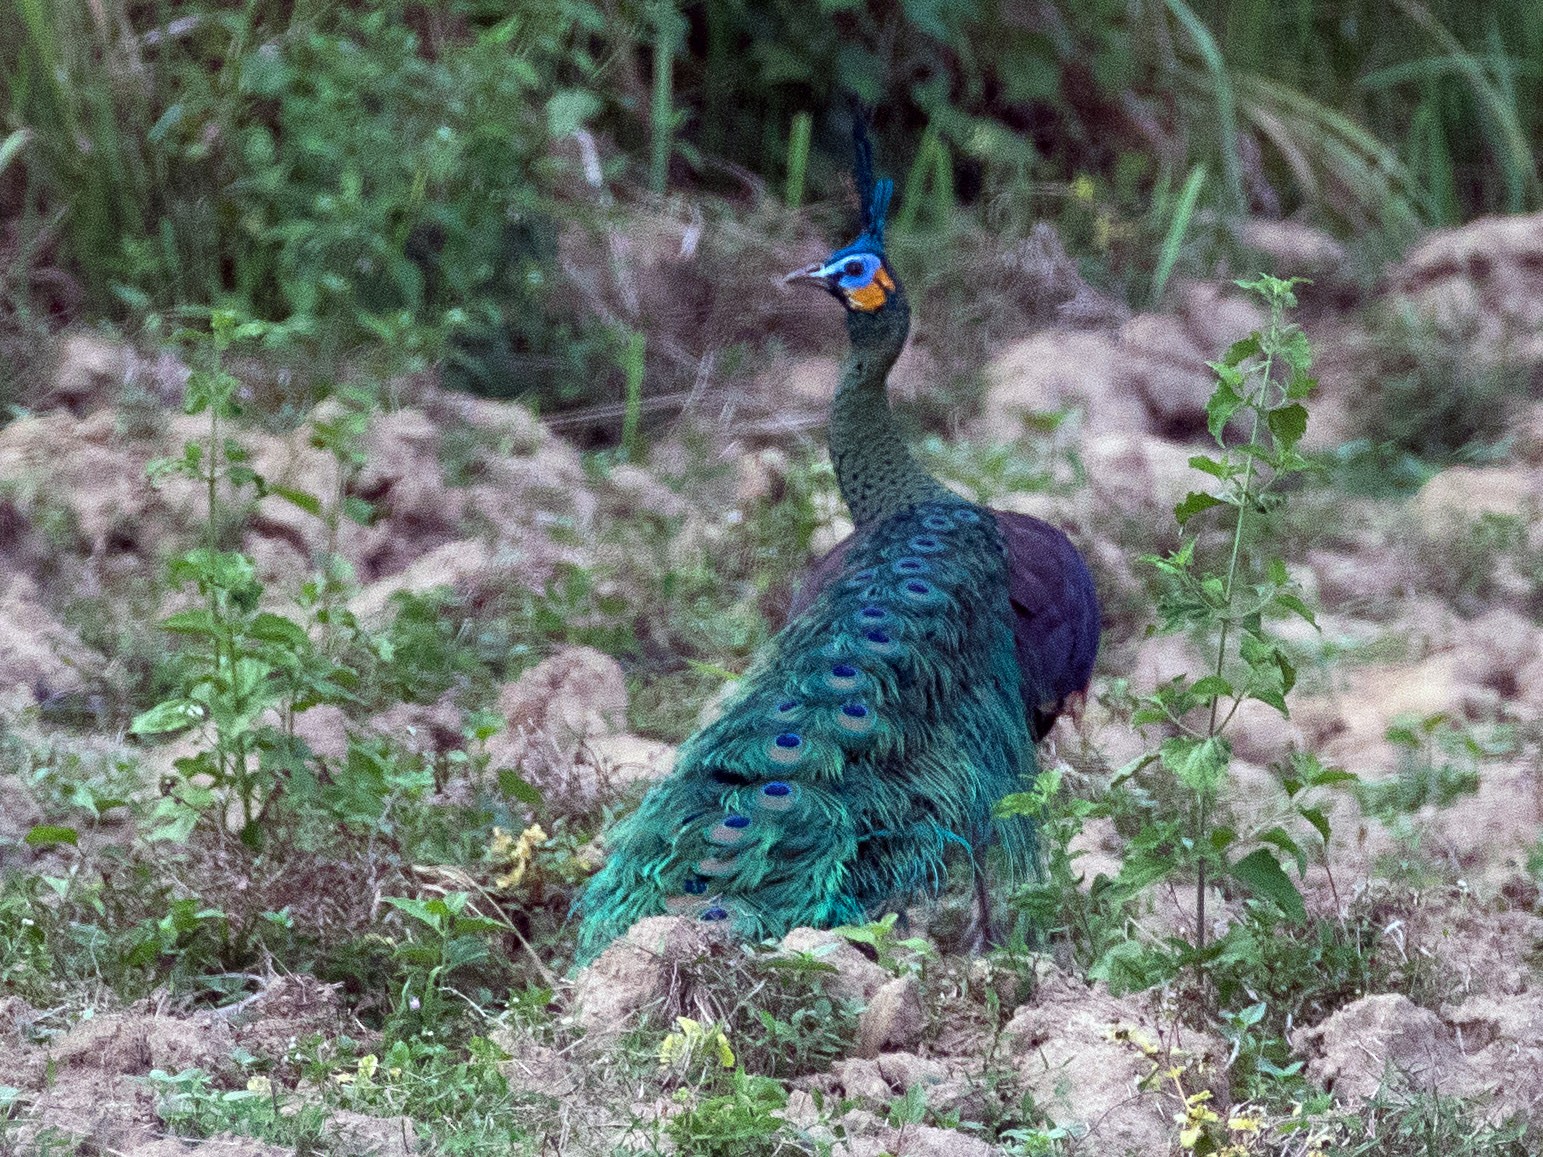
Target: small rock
[
  {"x": 1051, "y": 371},
  {"x": 1139, "y": 476},
  {"x": 903, "y": 1071},
  {"x": 1459, "y": 495},
  {"x": 894, "y": 1018},
  {"x": 861, "y": 1080},
  {"x": 89, "y": 371},
  {"x": 1295, "y": 249},
  {"x": 324, "y": 729},
  {"x": 1386, "y": 1037},
  {"x": 353, "y": 1134},
  {"x": 639, "y": 970}
]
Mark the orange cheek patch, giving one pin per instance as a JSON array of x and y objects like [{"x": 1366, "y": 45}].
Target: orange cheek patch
[
  {"x": 883, "y": 278},
  {"x": 870, "y": 296}
]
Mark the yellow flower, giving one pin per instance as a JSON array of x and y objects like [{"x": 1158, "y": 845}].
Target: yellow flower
[
  {"x": 1082, "y": 187},
  {"x": 260, "y": 1085},
  {"x": 518, "y": 854},
  {"x": 692, "y": 1040},
  {"x": 1244, "y": 1124},
  {"x": 367, "y": 1066}
]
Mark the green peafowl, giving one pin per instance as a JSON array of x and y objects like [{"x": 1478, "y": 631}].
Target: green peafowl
[{"x": 877, "y": 731}]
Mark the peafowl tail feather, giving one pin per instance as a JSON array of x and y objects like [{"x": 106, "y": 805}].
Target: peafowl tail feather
[{"x": 867, "y": 746}]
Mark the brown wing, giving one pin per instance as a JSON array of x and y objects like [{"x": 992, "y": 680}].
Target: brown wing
[{"x": 1056, "y": 620}]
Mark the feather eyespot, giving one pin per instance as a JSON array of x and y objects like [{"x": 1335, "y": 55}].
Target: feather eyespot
[
  {"x": 855, "y": 719},
  {"x": 843, "y": 677},
  {"x": 910, "y": 565},
  {"x": 694, "y": 887},
  {"x": 862, "y": 577},
  {"x": 917, "y": 587},
  {"x": 777, "y": 796},
  {"x": 873, "y": 613},
  {"x": 920, "y": 593},
  {"x": 926, "y": 544},
  {"x": 967, "y": 515},
  {"x": 787, "y": 748},
  {"x": 879, "y": 642},
  {"x": 730, "y": 833},
  {"x": 714, "y": 913},
  {"x": 938, "y": 522}
]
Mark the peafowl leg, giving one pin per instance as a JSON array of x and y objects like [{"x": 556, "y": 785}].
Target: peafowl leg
[{"x": 982, "y": 935}]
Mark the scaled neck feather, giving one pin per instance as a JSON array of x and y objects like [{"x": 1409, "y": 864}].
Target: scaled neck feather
[{"x": 875, "y": 469}]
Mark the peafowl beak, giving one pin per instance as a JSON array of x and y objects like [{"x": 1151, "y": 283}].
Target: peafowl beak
[{"x": 817, "y": 275}]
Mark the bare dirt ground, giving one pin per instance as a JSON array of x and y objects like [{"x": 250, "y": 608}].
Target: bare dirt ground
[{"x": 1420, "y": 620}]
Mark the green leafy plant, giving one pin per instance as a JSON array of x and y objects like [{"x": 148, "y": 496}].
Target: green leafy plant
[
  {"x": 449, "y": 938},
  {"x": 247, "y": 671},
  {"x": 1172, "y": 797}
]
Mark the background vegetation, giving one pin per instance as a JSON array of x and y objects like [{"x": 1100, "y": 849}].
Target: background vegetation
[{"x": 396, "y": 177}]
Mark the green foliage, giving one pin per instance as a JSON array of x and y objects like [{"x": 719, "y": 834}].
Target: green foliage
[
  {"x": 1170, "y": 800},
  {"x": 247, "y": 671},
  {"x": 1432, "y": 401},
  {"x": 349, "y": 178},
  {"x": 1437, "y": 764},
  {"x": 447, "y": 940},
  {"x": 742, "y": 1122}
]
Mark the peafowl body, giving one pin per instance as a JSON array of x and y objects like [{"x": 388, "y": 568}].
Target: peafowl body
[{"x": 876, "y": 732}]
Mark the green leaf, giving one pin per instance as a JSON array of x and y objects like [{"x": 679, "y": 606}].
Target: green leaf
[
  {"x": 358, "y": 510},
  {"x": 271, "y": 628},
  {"x": 303, "y": 499},
  {"x": 1211, "y": 687},
  {"x": 1288, "y": 424},
  {"x": 516, "y": 786},
  {"x": 172, "y": 715},
  {"x": 1315, "y": 816},
  {"x": 1261, "y": 874},
  {"x": 1212, "y": 466},
  {"x": 569, "y": 110},
  {"x": 191, "y": 622},
  {"x": 1242, "y": 350},
  {"x": 1300, "y": 386},
  {"x": 1193, "y": 504},
  {"x": 49, "y": 835},
  {"x": 1225, "y": 402},
  {"x": 1296, "y": 606},
  {"x": 1199, "y": 764},
  {"x": 1278, "y": 837}
]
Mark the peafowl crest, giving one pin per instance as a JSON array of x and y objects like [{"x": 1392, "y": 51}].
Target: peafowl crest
[{"x": 863, "y": 753}]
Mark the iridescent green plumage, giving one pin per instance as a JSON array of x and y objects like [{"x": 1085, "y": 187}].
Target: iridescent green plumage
[{"x": 868, "y": 745}]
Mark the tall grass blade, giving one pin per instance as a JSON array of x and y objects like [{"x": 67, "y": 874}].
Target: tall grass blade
[
  {"x": 1178, "y": 229},
  {"x": 11, "y": 147},
  {"x": 632, "y": 364},
  {"x": 667, "y": 34},
  {"x": 916, "y": 181},
  {"x": 798, "y": 159},
  {"x": 1224, "y": 96},
  {"x": 1497, "y": 104}
]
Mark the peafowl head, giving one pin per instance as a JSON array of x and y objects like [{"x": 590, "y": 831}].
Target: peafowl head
[{"x": 858, "y": 275}]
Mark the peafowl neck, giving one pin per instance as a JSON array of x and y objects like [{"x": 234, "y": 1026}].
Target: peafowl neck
[{"x": 875, "y": 469}]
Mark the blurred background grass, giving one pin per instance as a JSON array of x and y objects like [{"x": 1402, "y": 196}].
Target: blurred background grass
[{"x": 396, "y": 181}]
